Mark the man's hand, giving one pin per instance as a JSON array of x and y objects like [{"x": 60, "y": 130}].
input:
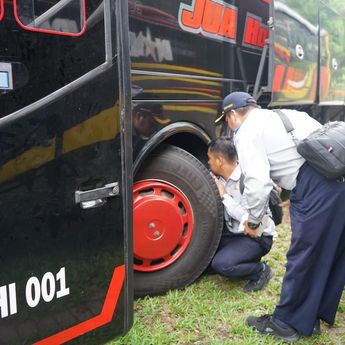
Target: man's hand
[
  {"x": 253, "y": 233},
  {"x": 284, "y": 203},
  {"x": 220, "y": 186}
]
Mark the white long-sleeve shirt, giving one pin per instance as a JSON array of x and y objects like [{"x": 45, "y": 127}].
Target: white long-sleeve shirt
[
  {"x": 235, "y": 206},
  {"x": 267, "y": 152}
]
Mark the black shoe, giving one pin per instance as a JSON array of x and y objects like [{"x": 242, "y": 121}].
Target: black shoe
[
  {"x": 317, "y": 328},
  {"x": 266, "y": 325},
  {"x": 256, "y": 285}
]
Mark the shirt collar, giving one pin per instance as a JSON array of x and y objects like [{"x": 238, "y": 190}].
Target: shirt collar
[
  {"x": 236, "y": 174},
  {"x": 244, "y": 122}
]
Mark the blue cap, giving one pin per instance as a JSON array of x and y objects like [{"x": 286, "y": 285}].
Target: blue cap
[{"x": 235, "y": 100}]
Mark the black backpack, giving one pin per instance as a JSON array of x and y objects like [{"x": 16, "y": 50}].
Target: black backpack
[
  {"x": 323, "y": 149},
  {"x": 275, "y": 200}
]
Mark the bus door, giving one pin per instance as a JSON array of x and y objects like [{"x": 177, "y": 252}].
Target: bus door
[
  {"x": 294, "y": 52},
  {"x": 65, "y": 172}
]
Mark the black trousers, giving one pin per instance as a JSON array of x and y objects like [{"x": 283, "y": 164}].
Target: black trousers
[
  {"x": 315, "y": 269},
  {"x": 238, "y": 256}
]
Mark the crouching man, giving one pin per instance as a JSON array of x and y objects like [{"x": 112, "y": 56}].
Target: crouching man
[{"x": 238, "y": 254}]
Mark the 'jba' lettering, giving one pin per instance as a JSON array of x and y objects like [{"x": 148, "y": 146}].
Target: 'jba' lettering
[{"x": 211, "y": 18}]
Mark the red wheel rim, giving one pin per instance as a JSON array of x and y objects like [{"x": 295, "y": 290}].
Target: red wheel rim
[{"x": 163, "y": 225}]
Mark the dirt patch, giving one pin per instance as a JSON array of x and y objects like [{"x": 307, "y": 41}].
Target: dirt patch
[{"x": 167, "y": 319}]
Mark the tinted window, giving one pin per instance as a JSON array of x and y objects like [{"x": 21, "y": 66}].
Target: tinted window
[
  {"x": 332, "y": 54},
  {"x": 52, "y": 16},
  {"x": 41, "y": 63}
]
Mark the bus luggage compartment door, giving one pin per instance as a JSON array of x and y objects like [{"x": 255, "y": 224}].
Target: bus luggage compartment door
[{"x": 65, "y": 268}]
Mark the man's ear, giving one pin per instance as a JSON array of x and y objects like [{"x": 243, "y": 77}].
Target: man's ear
[{"x": 220, "y": 160}]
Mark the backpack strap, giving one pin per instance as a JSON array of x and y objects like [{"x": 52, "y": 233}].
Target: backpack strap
[
  {"x": 242, "y": 184},
  {"x": 287, "y": 124}
]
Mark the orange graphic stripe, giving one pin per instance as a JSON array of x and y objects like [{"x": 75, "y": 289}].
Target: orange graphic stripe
[{"x": 103, "y": 318}]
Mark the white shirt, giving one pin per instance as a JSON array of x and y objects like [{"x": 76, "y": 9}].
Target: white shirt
[
  {"x": 235, "y": 206},
  {"x": 266, "y": 151}
]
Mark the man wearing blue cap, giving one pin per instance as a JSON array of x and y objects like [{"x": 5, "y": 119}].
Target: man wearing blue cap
[{"x": 315, "y": 269}]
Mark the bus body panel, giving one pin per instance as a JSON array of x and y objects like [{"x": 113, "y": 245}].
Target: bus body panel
[{"x": 65, "y": 264}]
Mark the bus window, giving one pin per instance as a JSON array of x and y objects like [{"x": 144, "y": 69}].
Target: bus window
[
  {"x": 63, "y": 17},
  {"x": 332, "y": 55},
  {"x": 294, "y": 57},
  {"x": 63, "y": 57}
]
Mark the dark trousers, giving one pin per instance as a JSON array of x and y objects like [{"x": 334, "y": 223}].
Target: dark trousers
[
  {"x": 315, "y": 269},
  {"x": 238, "y": 256}
]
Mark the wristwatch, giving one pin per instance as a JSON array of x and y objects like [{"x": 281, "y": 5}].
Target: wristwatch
[{"x": 253, "y": 226}]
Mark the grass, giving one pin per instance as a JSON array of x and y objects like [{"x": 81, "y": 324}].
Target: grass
[{"x": 213, "y": 311}]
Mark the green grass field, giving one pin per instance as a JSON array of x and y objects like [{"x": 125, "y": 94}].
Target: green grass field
[{"x": 213, "y": 310}]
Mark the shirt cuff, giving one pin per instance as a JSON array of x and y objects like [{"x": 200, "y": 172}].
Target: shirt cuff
[
  {"x": 243, "y": 219},
  {"x": 225, "y": 196}
]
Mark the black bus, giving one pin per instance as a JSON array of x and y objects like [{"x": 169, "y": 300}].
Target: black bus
[{"x": 185, "y": 57}]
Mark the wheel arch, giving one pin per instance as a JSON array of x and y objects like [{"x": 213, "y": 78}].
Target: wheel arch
[{"x": 184, "y": 135}]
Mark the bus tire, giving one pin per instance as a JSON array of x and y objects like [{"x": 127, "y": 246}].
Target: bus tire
[{"x": 187, "y": 180}]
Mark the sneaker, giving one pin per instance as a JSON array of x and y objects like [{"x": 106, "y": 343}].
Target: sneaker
[
  {"x": 256, "y": 285},
  {"x": 267, "y": 325}
]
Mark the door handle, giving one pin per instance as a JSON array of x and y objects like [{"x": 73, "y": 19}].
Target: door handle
[{"x": 96, "y": 197}]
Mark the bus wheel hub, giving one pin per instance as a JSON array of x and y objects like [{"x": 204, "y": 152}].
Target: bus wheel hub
[{"x": 163, "y": 225}]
